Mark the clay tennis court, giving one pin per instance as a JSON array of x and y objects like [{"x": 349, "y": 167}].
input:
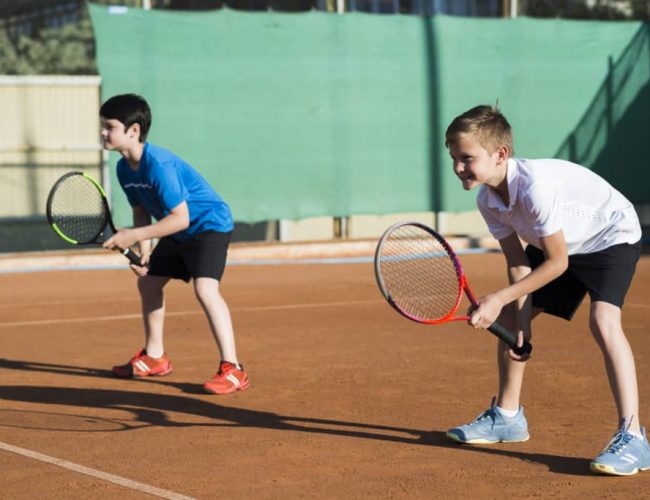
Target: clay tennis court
[{"x": 347, "y": 399}]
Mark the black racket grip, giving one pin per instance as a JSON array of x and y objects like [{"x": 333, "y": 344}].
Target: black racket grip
[
  {"x": 132, "y": 256},
  {"x": 511, "y": 339}
]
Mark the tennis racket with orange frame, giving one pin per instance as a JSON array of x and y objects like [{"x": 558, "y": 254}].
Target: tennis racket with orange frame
[{"x": 420, "y": 276}]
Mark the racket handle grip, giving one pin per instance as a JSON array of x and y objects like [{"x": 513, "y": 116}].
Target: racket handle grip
[
  {"x": 511, "y": 339},
  {"x": 132, "y": 256}
]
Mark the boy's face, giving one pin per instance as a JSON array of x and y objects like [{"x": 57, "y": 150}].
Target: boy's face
[
  {"x": 473, "y": 164},
  {"x": 115, "y": 136}
]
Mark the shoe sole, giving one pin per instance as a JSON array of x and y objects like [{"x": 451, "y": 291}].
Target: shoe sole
[
  {"x": 611, "y": 471},
  {"x": 134, "y": 375},
  {"x": 161, "y": 374},
  {"x": 230, "y": 391},
  {"x": 454, "y": 437}
]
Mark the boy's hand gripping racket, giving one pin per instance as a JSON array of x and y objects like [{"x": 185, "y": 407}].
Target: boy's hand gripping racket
[
  {"x": 78, "y": 212},
  {"x": 421, "y": 277}
]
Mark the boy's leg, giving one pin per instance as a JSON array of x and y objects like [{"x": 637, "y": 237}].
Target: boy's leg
[
  {"x": 605, "y": 325},
  {"x": 151, "y": 360},
  {"x": 628, "y": 451},
  {"x": 493, "y": 426},
  {"x": 511, "y": 377},
  {"x": 205, "y": 258},
  {"x": 230, "y": 376},
  {"x": 511, "y": 372},
  {"x": 218, "y": 314},
  {"x": 153, "y": 312}
]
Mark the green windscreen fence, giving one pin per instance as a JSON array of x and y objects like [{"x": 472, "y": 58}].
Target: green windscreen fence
[{"x": 299, "y": 115}]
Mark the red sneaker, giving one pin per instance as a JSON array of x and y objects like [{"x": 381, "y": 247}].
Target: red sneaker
[
  {"x": 142, "y": 365},
  {"x": 228, "y": 379}
]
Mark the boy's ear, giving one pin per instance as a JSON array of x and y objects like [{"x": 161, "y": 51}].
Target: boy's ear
[
  {"x": 134, "y": 131},
  {"x": 503, "y": 153}
]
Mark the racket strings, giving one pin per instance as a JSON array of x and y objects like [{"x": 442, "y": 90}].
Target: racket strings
[
  {"x": 419, "y": 274},
  {"x": 77, "y": 208}
]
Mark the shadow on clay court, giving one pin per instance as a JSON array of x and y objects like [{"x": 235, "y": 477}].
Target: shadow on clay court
[
  {"x": 157, "y": 410},
  {"x": 36, "y": 366}
]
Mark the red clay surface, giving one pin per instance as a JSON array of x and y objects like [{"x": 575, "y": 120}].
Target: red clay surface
[{"x": 347, "y": 399}]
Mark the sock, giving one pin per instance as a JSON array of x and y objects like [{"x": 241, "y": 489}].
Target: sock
[
  {"x": 155, "y": 354},
  {"x": 507, "y": 413},
  {"x": 238, "y": 367},
  {"x": 640, "y": 436}
]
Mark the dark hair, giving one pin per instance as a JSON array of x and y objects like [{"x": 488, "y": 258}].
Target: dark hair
[
  {"x": 128, "y": 109},
  {"x": 488, "y": 125}
]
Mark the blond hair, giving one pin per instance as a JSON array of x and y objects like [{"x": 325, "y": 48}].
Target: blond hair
[{"x": 487, "y": 124}]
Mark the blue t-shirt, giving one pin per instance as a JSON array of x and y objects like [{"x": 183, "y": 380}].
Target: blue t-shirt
[{"x": 163, "y": 181}]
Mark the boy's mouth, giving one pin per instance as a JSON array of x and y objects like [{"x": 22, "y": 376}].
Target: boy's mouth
[{"x": 467, "y": 181}]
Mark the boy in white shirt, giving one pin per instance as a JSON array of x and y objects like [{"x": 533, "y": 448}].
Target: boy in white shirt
[{"x": 581, "y": 236}]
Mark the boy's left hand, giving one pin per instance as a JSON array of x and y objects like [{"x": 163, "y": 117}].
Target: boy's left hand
[
  {"x": 121, "y": 240},
  {"x": 142, "y": 270},
  {"x": 487, "y": 312},
  {"x": 519, "y": 357}
]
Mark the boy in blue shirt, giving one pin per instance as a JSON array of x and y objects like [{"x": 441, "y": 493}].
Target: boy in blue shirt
[{"x": 194, "y": 226}]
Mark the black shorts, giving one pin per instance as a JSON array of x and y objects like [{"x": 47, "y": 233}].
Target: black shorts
[
  {"x": 204, "y": 256},
  {"x": 605, "y": 275}
]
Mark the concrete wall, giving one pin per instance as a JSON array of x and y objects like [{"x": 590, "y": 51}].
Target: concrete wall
[{"x": 48, "y": 126}]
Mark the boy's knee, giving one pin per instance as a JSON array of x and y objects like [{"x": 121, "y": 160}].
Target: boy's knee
[
  {"x": 206, "y": 287},
  {"x": 605, "y": 321},
  {"x": 149, "y": 285}
]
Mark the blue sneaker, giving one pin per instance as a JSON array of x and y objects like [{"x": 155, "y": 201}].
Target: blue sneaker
[
  {"x": 492, "y": 427},
  {"x": 624, "y": 455}
]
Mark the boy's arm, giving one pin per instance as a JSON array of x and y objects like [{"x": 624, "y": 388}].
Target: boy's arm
[
  {"x": 140, "y": 219},
  {"x": 518, "y": 267},
  {"x": 522, "y": 282},
  {"x": 177, "y": 220}
]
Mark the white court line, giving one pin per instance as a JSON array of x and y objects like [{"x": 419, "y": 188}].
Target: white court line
[
  {"x": 28, "y": 268},
  {"x": 127, "y": 483},
  {"x": 184, "y": 313}
]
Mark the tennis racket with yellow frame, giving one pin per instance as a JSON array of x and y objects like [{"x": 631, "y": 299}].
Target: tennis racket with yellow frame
[{"x": 77, "y": 210}]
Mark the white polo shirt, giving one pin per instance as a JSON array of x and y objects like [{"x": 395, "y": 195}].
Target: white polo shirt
[{"x": 549, "y": 195}]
